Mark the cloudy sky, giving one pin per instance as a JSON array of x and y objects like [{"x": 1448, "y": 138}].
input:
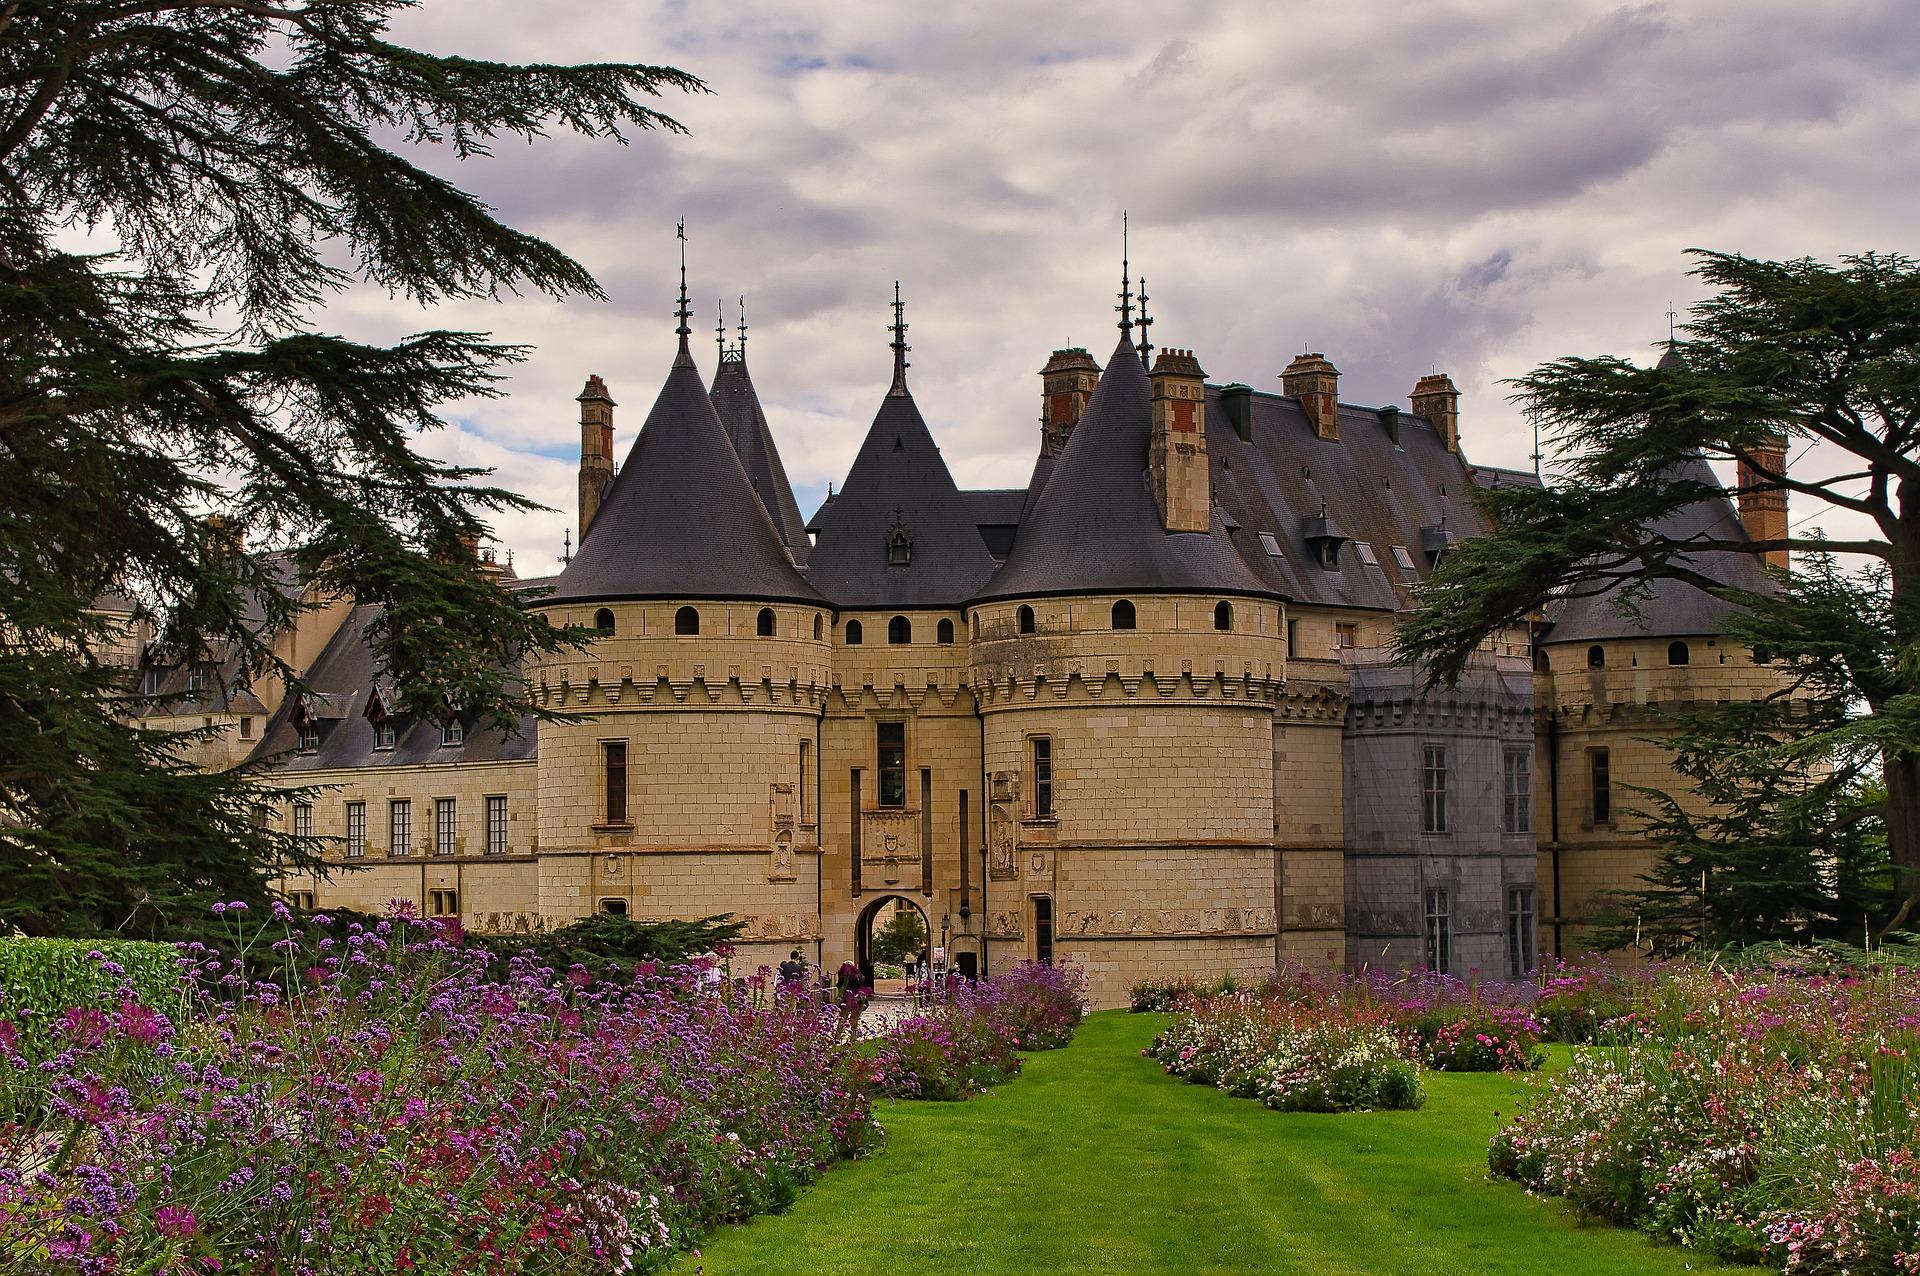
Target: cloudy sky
[{"x": 1473, "y": 185}]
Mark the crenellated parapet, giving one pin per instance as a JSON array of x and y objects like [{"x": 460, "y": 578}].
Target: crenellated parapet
[
  {"x": 1156, "y": 647},
  {"x": 692, "y": 654}
]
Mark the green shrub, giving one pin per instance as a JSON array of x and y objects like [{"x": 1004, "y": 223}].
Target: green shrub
[{"x": 41, "y": 978}]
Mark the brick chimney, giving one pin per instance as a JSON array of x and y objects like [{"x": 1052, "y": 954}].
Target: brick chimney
[
  {"x": 1435, "y": 398},
  {"x": 1764, "y": 513},
  {"x": 1177, "y": 459},
  {"x": 596, "y": 448},
  {"x": 1066, "y": 384},
  {"x": 1316, "y": 383}
]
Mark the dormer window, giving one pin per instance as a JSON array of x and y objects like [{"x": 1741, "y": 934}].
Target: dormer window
[
  {"x": 899, "y": 541},
  {"x": 196, "y": 679},
  {"x": 453, "y": 732},
  {"x": 383, "y": 734},
  {"x": 309, "y": 736},
  {"x": 1324, "y": 538}
]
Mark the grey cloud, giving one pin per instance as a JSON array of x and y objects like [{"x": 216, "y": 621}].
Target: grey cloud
[{"x": 1478, "y": 184}]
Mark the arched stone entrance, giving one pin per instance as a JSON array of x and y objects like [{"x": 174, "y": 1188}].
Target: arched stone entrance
[{"x": 875, "y": 916}]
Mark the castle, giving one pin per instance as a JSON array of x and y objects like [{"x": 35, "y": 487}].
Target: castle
[{"x": 1139, "y": 714}]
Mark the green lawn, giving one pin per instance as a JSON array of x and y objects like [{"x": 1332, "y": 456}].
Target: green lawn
[{"x": 1096, "y": 1161}]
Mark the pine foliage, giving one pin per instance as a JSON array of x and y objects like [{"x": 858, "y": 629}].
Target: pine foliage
[{"x": 180, "y": 182}]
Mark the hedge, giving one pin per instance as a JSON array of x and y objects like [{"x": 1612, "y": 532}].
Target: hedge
[{"x": 41, "y": 978}]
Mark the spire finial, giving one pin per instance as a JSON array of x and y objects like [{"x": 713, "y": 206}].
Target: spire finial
[
  {"x": 720, "y": 327},
  {"x": 684, "y": 310},
  {"x": 743, "y": 325},
  {"x": 1671, "y": 316},
  {"x": 1146, "y": 342},
  {"x": 566, "y": 546},
  {"x": 1126, "y": 283},
  {"x": 899, "y": 344}
]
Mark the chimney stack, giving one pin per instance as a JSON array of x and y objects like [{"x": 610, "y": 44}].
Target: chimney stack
[
  {"x": 1435, "y": 398},
  {"x": 1066, "y": 384},
  {"x": 1316, "y": 384},
  {"x": 1764, "y": 513},
  {"x": 1177, "y": 459},
  {"x": 596, "y": 449}
]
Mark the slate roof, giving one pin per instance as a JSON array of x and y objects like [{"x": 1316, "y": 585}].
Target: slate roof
[
  {"x": 898, "y": 475},
  {"x": 1377, "y": 491},
  {"x": 221, "y": 692},
  {"x": 342, "y": 679},
  {"x": 738, "y": 406},
  {"x": 996, "y": 512},
  {"x": 1095, "y": 528},
  {"x": 681, "y": 520},
  {"x": 1675, "y": 608}
]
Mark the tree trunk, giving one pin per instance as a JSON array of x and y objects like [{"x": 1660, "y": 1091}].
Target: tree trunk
[
  {"x": 1902, "y": 767},
  {"x": 1903, "y": 823}
]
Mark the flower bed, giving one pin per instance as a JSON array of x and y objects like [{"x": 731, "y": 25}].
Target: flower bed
[
  {"x": 404, "y": 1111},
  {"x": 968, "y": 1040},
  {"x": 1440, "y": 1022},
  {"x": 1291, "y": 1055},
  {"x": 1756, "y": 1116}
]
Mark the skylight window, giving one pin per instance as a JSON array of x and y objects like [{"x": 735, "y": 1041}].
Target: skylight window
[
  {"x": 1402, "y": 557},
  {"x": 1367, "y": 556},
  {"x": 1270, "y": 543}
]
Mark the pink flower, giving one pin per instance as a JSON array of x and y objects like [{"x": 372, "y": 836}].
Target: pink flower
[{"x": 175, "y": 1221}]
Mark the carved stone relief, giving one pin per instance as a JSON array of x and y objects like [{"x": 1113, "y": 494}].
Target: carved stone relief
[
  {"x": 1123, "y": 922},
  {"x": 780, "y": 867}
]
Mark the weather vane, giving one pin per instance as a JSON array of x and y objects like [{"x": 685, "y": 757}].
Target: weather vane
[
  {"x": 1146, "y": 342},
  {"x": 685, "y": 311},
  {"x": 899, "y": 344}
]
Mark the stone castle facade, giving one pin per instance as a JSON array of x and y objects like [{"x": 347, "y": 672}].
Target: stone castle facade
[{"x": 1139, "y": 714}]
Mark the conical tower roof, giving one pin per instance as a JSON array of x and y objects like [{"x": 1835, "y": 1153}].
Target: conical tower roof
[
  {"x": 738, "y": 406},
  {"x": 1669, "y": 608},
  {"x": 1095, "y": 528},
  {"x": 898, "y": 486},
  {"x": 681, "y": 519}
]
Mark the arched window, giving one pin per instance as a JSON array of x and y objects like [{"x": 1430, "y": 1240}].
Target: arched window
[
  {"x": 1596, "y": 657},
  {"x": 818, "y": 627},
  {"x": 1677, "y": 653},
  {"x": 1026, "y": 619},
  {"x": 766, "y": 622},
  {"x": 1540, "y": 660},
  {"x": 899, "y": 631},
  {"x": 1223, "y": 615},
  {"x": 686, "y": 621},
  {"x": 943, "y": 632},
  {"x": 853, "y": 633},
  {"x": 1123, "y": 615},
  {"x": 603, "y": 620}
]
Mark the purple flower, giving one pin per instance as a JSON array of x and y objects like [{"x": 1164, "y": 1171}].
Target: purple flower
[{"x": 175, "y": 1220}]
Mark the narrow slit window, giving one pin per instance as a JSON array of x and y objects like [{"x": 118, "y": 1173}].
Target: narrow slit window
[
  {"x": 614, "y": 757},
  {"x": 892, "y": 746},
  {"x": 1043, "y": 777},
  {"x": 1433, "y": 789}
]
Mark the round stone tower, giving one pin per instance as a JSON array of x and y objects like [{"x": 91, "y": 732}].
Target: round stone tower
[
  {"x": 1606, "y": 678},
  {"x": 688, "y": 786},
  {"x": 1126, "y": 672}
]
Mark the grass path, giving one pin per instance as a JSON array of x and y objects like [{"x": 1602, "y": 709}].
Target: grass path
[{"x": 1096, "y": 1161}]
